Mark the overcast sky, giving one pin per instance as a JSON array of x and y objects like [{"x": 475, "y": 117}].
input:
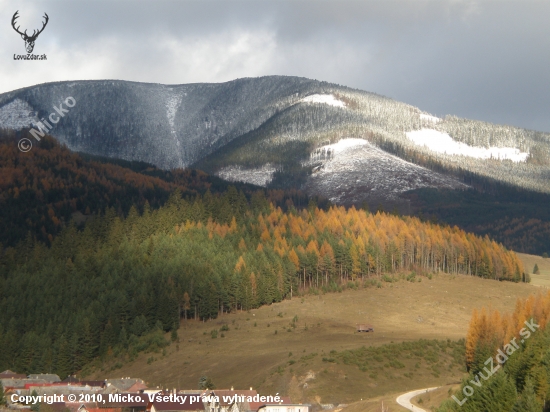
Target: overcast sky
[{"x": 486, "y": 60}]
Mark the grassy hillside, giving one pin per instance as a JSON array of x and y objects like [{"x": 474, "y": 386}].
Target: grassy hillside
[
  {"x": 251, "y": 353},
  {"x": 106, "y": 292},
  {"x": 428, "y": 401},
  {"x": 529, "y": 261},
  {"x": 434, "y": 398}
]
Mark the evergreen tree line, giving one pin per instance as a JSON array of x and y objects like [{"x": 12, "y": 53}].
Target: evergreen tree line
[
  {"x": 472, "y": 177},
  {"x": 518, "y": 379},
  {"x": 521, "y": 223},
  {"x": 514, "y": 215},
  {"x": 122, "y": 282},
  {"x": 43, "y": 189}
]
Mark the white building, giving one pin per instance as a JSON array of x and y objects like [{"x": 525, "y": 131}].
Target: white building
[{"x": 284, "y": 407}]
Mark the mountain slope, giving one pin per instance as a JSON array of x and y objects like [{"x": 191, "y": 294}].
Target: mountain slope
[
  {"x": 375, "y": 174},
  {"x": 278, "y": 129},
  {"x": 169, "y": 126},
  {"x": 43, "y": 190}
]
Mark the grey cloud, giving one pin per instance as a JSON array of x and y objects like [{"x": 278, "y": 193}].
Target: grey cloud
[{"x": 486, "y": 60}]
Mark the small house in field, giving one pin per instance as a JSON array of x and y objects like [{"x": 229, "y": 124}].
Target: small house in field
[{"x": 364, "y": 327}]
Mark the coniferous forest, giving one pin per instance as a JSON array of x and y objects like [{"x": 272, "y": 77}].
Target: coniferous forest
[
  {"x": 106, "y": 256},
  {"x": 41, "y": 191},
  {"x": 518, "y": 378},
  {"x": 117, "y": 278},
  {"x": 120, "y": 229}
]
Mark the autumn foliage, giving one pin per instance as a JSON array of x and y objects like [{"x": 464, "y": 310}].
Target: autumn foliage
[
  {"x": 120, "y": 276},
  {"x": 42, "y": 190},
  {"x": 492, "y": 329},
  {"x": 355, "y": 244},
  {"x": 508, "y": 359}
]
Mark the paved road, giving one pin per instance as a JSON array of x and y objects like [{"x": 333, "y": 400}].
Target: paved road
[{"x": 405, "y": 399}]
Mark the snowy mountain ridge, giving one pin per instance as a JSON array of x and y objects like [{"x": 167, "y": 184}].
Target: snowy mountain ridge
[{"x": 267, "y": 129}]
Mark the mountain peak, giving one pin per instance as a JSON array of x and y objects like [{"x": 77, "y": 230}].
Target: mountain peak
[{"x": 275, "y": 124}]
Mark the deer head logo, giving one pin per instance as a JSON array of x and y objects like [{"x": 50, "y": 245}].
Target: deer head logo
[{"x": 29, "y": 40}]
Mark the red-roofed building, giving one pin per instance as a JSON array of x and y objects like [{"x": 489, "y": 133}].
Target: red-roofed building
[
  {"x": 123, "y": 401},
  {"x": 7, "y": 374},
  {"x": 47, "y": 385},
  {"x": 254, "y": 406}
]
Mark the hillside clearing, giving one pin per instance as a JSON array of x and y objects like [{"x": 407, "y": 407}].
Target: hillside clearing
[
  {"x": 529, "y": 261},
  {"x": 259, "y": 345}
]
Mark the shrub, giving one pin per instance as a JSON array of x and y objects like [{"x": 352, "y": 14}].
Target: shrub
[
  {"x": 387, "y": 279},
  {"x": 206, "y": 383}
]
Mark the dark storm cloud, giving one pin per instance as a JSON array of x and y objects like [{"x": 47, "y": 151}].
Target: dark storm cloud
[{"x": 486, "y": 60}]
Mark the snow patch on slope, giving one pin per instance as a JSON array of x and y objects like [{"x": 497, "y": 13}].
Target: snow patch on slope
[
  {"x": 17, "y": 115},
  {"x": 324, "y": 98},
  {"x": 172, "y": 104},
  {"x": 356, "y": 170},
  {"x": 259, "y": 176},
  {"x": 343, "y": 145},
  {"x": 443, "y": 143}
]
